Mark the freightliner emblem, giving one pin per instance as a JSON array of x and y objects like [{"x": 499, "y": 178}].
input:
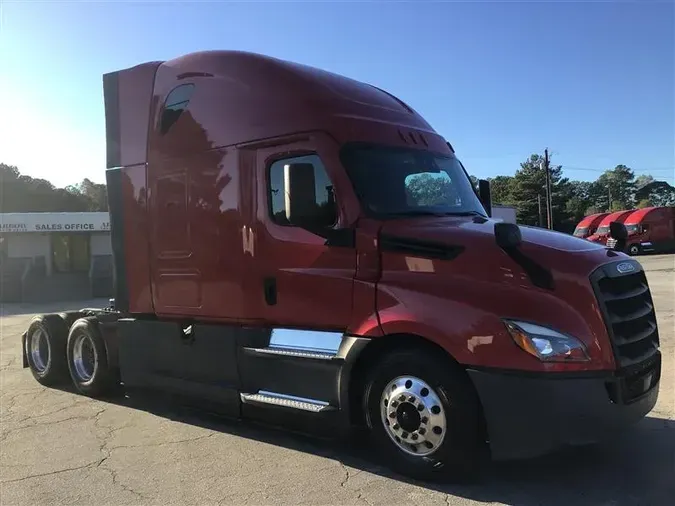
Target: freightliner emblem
[{"x": 625, "y": 267}]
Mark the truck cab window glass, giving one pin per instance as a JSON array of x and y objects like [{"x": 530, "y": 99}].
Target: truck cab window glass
[
  {"x": 403, "y": 181},
  {"x": 581, "y": 231},
  {"x": 176, "y": 102},
  {"x": 301, "y": 191}
]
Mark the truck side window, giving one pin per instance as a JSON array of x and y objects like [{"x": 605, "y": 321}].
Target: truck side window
[
  {"x": 323, "y": 208},
  {"x": 176, "y": 102}
]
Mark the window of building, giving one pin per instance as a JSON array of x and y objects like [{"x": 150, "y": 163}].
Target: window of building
[
  {"x": 325, "y": 210},
  {"x": 176, "y": 102},
  {"x": 70, "y": 252}
]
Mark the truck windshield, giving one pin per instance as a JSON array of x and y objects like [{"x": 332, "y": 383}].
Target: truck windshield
[
  {"x": 580, "y": 231},
  {"x": 603, "y": 230},
  {"x": 392, "y": 181},
  {"x": 632, "y": 229}
]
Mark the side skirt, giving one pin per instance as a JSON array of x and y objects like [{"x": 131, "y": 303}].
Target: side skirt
[{"x": 278, "y": 376}]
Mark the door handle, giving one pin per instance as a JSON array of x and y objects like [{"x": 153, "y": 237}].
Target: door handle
[{"x": 270, "y": 289}]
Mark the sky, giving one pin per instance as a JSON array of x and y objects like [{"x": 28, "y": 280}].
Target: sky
[{"x": 592, "y": 81}]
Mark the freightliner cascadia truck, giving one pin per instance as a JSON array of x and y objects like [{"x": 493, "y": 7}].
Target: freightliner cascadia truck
[{"x": 298, "y": 247}]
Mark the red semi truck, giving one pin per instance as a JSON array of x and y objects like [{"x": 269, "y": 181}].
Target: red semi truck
[
  {"x": 602, "y": 233},
  {"x": 283, "y": 252},
  {"x": 650, "y": 230},
  {"x": 589, "y": 225}
]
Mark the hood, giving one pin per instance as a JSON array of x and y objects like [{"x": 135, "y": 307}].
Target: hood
[
  {"x": 475, "y": 237},
  {"x": 450, "y": 274}
]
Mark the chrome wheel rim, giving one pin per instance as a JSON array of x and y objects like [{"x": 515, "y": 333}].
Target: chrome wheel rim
[
  {"x": 39, "y": 350},
  {"x": 413, "y": 416},
  {"x": 85, "y": 360}
]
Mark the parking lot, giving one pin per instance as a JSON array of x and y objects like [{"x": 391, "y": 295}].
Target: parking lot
[{"x": 61, "y": 448}]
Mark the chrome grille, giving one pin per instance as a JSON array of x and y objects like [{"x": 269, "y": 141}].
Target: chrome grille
[{"x": 628, "y": 310}]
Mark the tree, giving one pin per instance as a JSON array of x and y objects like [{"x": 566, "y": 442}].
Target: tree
[
  {"x": 96, "y": 195},
  {"x": 428, "y": 190},
  {"x": 528, "y": 189},
  {"x": 657, "y": 193},
  {"x": 643, "y": 179},
  {"x": 501, "y": 188},
  {"x": 23, "y": 194},
  {"x": 618, "y": 185}
]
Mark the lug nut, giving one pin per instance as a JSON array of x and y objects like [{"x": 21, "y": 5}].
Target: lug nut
[
  {"x": 420, "y": 407},
  {"x": 396, "y": 426},
  {"x": 424, "y": 419},
  {"x": 422, "y": 431},
  {"x": 402, "y": 398},
  {"x": 414, "y": 437},
  {"x": 394, "y": 404},
  {"x": 392, "y": 415},
  {"x": 404, "y": 435}
]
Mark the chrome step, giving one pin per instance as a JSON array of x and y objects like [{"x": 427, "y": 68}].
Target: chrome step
[
  {"x": 287, "y": 401},
  {"x": 291, "y": 352}
]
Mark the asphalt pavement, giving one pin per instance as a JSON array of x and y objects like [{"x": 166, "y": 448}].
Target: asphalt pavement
[{"x": 57, "y": 447}]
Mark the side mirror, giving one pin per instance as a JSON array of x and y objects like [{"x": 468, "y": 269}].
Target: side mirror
[
  {"x": 302, "y": 208},
  {"x": 485, "y": 195},
  {"x": 619, "y": 232},
  {"x": 508, "y": 235}
]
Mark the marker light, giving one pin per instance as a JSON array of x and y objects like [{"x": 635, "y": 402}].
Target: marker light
[{"x": 546, "y": 344}]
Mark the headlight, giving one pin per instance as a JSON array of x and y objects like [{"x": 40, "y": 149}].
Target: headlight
[{"x": 546, "y": 344}]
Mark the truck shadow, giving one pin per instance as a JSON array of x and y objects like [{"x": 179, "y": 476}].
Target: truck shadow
[{"x": 636, "y": 468}]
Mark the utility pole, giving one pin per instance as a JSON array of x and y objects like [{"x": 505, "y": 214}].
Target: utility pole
[
  {"x": 549, "y": 199},
  {"x": 541, "y": 222}
]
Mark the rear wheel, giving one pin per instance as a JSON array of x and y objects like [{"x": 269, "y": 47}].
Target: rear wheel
[
  {"x": 45, "y": 349},
  {"x": 424, "y": 416},
  {"x": 88, "y": 359}
]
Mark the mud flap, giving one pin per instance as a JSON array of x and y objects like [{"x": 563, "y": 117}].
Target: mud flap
[{"x": 23, "y": 351}]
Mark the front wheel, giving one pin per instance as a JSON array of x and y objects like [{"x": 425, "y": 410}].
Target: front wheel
[
  {"x": 424, "y": 416},
  {"x": 634, "y": 249}
]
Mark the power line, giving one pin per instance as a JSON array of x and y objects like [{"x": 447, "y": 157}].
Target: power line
[{"x": 571, "y": 167}]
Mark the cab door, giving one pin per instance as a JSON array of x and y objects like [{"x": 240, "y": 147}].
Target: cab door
[{"x": 300, "y": 281}]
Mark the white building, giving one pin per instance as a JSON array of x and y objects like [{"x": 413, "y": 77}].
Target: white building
[{"x": 55, "y": 256}]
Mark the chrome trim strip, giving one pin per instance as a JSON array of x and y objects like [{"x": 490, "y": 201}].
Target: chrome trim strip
[{"x": 306, "y": 340}]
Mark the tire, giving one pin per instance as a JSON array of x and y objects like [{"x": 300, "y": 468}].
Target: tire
[
  {"x": 45, "y": 349},
  {"x": 88, "y": 360},
  {"x": 459, "y": 449},
  {"x": 70, "y": 317},
  {"x": 634, "y": 249}
]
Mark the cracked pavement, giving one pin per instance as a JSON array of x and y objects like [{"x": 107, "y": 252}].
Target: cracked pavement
[{"x": 57, "y": 447}]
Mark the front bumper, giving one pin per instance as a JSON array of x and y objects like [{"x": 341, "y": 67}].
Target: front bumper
[{"x": 529, "y": 415}]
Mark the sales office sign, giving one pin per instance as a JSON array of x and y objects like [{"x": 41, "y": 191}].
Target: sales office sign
[{"x": 54, "y": 222}]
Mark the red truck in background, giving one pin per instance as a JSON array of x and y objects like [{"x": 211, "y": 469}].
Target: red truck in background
[
  {"x": 278, "y": 257},
  {"x": 602, "y": 233},
  {"x": 588, "y": 225},
  {"x": 650, "y": 230}
]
